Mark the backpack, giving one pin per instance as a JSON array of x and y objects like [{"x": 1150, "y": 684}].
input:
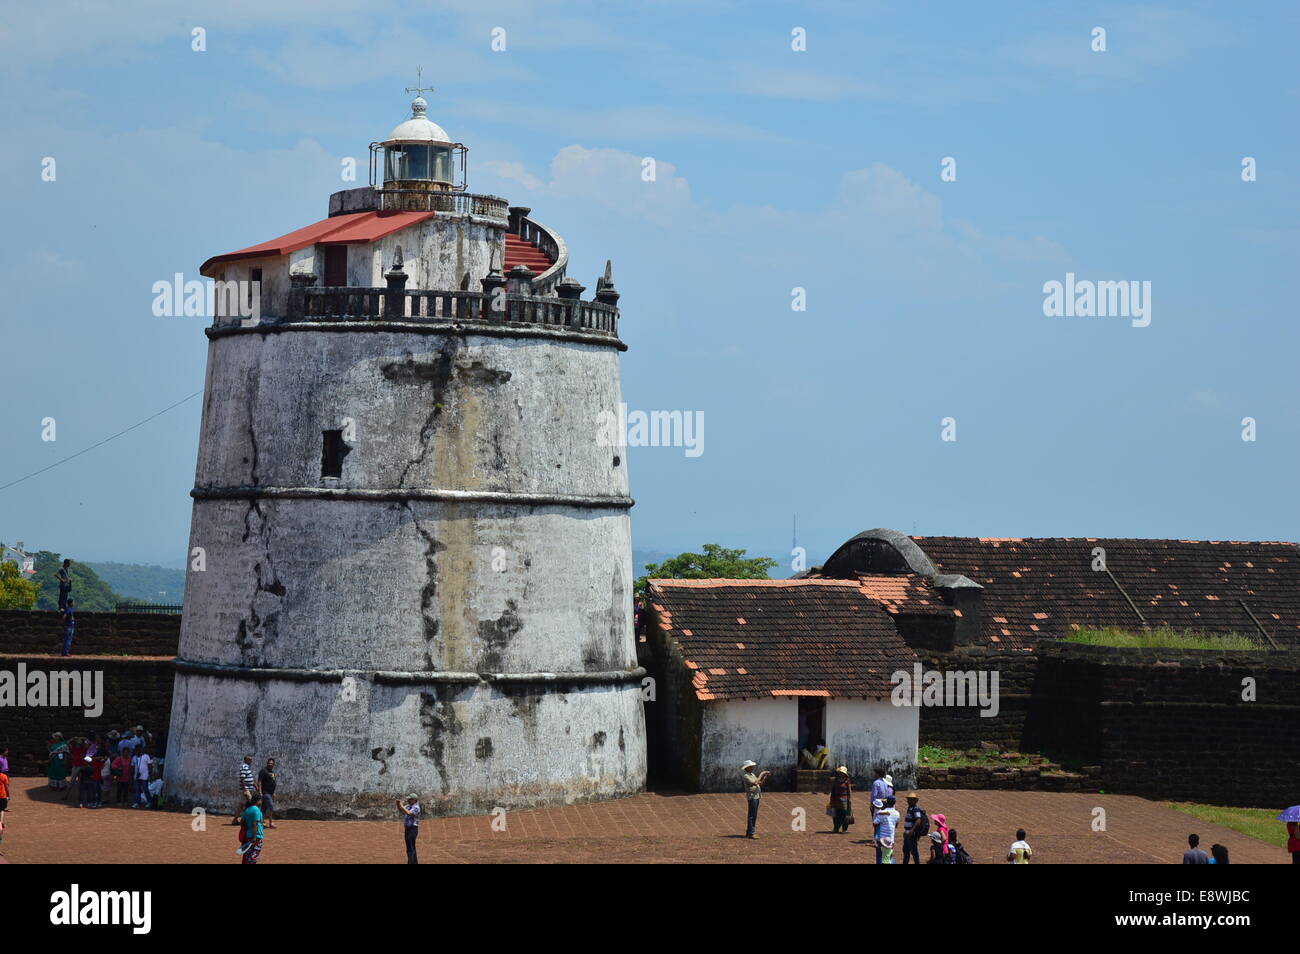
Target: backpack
[
  {"x": 960, "y": 856},
  {"x": 921, "y": 826}
]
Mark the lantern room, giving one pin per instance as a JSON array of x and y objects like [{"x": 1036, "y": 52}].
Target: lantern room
[{"x": 416, "y": 163}]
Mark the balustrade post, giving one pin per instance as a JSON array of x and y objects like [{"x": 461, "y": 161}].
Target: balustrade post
[
  {"x": 494, "y": 289},
  {"x": 606, "y": 293},
  {"x": 395, "y": 296},
  {"x": 298, "y": 285},
  {"x": 570, "y": 292},
  {"x": 517, "y": 215},
  {"x": 519, "y": 282}
]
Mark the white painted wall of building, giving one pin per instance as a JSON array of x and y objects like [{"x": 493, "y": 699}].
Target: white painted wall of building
[
  {"x": 859, "y": 733},
  {"x": 863, "y": 732},
  {"x": 764, "y": 730}
]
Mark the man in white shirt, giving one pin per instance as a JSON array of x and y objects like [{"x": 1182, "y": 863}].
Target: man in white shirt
[{"x": 140, "y": 772}]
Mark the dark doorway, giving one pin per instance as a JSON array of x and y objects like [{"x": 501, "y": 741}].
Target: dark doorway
[
  {"x": 812, "y": 720},
  {"x": 336, "y": 266}
]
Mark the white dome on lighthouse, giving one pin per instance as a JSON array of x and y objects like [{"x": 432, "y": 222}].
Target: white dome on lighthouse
[{"x": 419, "y": 128}]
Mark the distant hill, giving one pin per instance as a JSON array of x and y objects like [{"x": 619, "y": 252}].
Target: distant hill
[
  {"x": 90, "y": 592},
  {"x": 161, "y": 584},
  {"x": 140, "y": 581}
]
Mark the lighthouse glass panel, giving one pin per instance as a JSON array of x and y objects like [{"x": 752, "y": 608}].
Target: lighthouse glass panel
[
  {"x": 441, "y": 156},
  {"x": 406, "y": 162}
]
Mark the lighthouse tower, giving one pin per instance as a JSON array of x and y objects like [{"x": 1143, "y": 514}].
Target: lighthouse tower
[{"x": 410, "y": 548}]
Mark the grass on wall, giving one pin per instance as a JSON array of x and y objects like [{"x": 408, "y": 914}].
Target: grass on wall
[{"x": 1162, "y": 638}]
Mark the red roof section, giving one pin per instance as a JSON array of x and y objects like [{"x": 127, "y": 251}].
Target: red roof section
[
  {"x": 350, "y": 228},
  {"x": 748, "y": 639}
]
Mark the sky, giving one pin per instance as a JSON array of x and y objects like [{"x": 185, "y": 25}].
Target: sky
[{"x": 795, "y": 147}]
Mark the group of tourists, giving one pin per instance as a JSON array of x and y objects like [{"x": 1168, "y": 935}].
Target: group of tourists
[
  {"x": 256, "y": 811},
  {"x": 117, "y": 765},
  {"x": 918, "y": 826}
]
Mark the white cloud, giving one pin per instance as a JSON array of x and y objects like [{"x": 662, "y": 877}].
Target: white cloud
[{"x": 609, "y": 177}]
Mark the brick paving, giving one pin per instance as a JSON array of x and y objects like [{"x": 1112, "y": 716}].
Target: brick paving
[{"x": 649, "y": 828}]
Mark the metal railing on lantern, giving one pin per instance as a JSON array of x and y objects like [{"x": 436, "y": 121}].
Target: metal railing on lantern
[
  {"x": 360, "y": 304},
  {"x": 450, "y": 203}
]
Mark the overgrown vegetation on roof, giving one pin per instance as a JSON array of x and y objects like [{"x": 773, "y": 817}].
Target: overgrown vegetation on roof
[{"x": 1162, "y": 637}]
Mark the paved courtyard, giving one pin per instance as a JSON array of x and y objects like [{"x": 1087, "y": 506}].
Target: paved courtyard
[{"x": 655, "y": 827}]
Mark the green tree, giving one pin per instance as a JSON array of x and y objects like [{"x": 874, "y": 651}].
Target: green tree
[
  {"x": 90, "y": 592},
  {"x": 715, "y": 563},
  {"x": 16, "y": 591}
]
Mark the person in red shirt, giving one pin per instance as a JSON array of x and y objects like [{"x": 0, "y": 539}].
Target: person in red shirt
[
  {"x": 121, "y": 767},
  {"x": 77, "y": 747},
  {"x": 95, "y": 778},
  {"x": 1293, "y": 841}
]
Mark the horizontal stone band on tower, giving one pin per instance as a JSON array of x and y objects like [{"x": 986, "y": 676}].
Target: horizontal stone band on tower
[
  {"x": 430, "y": 327},
  {"x": 413, "y": 493},
  {"x": 389, "y": 677}
]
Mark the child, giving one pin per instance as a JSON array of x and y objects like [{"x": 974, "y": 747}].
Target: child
[
  {"x": 1020, "y": 852},
  {"x": 94, "y": 777},
  {"x": 887, "y": 849},
  {"x": 4, "y": 800},
  {"x": 885, "y": 820},
  {"x": 122, "y": 777}
]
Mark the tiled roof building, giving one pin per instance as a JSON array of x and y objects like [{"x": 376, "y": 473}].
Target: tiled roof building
[{"x": 754, "y": 669}]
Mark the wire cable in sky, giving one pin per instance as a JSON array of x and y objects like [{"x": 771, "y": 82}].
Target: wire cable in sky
[{"x": 103, "y": 442}]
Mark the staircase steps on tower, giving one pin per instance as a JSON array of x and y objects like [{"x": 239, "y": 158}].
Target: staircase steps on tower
[{"x": 521, "y": 252}]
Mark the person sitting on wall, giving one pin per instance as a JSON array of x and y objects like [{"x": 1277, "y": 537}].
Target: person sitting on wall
[{"x": 815, "y": 755}]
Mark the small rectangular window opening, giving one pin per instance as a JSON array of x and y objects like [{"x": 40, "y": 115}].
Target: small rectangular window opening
[{"x": 333, "y": 451}]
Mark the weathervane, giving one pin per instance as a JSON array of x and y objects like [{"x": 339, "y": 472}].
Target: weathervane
[{"x": 419, "y": 78}]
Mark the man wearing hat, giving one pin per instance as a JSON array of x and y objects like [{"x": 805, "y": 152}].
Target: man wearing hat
[
  {"x": 912, "y": 827},
  {"x": 841, "y": 800},
  {"x": 753, "y": 792},
  {"x": 410, "y": 825}
]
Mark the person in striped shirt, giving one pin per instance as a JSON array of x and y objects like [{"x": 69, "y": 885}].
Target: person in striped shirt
[{"x": 247, "y": 786}]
